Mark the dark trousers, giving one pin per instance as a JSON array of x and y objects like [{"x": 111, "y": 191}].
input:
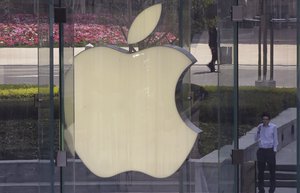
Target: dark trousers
[
  {"x": 214, "y": 55},
  {"x": 266, "y": 156}
]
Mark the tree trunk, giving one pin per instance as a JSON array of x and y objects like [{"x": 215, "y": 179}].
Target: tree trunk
[
  {"x": 82, "y": 6},
  {"x": 6, "y": 8}
]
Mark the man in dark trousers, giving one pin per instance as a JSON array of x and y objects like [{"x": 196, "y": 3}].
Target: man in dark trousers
[
  {"x": 267, "y": 139},
  {"x": 213, "y": 45}
]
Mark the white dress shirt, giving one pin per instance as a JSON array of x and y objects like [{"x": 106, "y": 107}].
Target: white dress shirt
[{"x": 267, "y": 136}]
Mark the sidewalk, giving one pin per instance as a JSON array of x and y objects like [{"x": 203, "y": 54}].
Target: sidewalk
[
  {"x": 284, "y": 55},
  {"x": 284, "y": 76},
  {"x": 29, "y": 56}
]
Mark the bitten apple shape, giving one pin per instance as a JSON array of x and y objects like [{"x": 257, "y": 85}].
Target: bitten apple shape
[{"x": 125, "y": 116}]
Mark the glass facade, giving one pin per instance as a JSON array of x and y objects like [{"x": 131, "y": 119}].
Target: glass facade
[{"x": 144, "y": 95}]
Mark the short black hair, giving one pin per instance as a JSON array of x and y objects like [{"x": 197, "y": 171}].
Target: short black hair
[{"x": 265, "y": 114}]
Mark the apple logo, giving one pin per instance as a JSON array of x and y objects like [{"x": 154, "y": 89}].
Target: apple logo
[{"x": 125, "y": 116}]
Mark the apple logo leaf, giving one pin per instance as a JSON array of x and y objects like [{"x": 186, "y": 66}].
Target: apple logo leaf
[{"x": 144, "y": 24}]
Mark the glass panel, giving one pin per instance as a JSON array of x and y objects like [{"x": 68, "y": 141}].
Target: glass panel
[
  {"x": 226, "y": 82},
  {"x": 267, "y": 80},
  {"x": 19, "y": 150},
  {"x": 46, "y": 121},
  {"x": 67, "y": 174},
  {"x": 212, "y": 39},
  {"x": 101, "y": 23}
]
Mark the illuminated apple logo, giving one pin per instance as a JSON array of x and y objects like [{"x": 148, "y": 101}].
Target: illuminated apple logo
[{"x": 125, "y": 115}]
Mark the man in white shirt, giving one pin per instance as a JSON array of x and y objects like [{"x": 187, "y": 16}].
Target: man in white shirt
[{"x": 267, "y": 139}]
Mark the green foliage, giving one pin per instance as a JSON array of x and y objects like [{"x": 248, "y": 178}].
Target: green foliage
[
  {"x": 18, "y": 139},
  {"x": 22, "y": 91},
  {"x": 208, "y": 140},
  {"x": 252, "y": 102},
  {"x": 204, "y": 15},
  {"x": 18, "y": 114},
  {"x": 218, "y": 130},
  {"x": 17, "y": 109},
  {"x": 18, "y": 93},
  {"x": 18, "y": 102},
  {"x": 19, "y": 121}
]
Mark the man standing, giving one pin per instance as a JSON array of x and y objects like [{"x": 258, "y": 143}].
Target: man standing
[{"x": 267, "y": 139}]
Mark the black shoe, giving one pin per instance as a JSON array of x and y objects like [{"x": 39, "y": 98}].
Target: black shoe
[{"x": 211, "y": 67}]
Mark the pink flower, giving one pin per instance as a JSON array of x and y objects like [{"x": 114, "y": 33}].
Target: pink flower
[{"x": 22, "y": 30}]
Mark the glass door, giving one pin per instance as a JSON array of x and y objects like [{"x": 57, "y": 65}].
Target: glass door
[
  {"x": 265, "y": 59},
  {"x": 262, "y": 36},
  {"x": 55, "y": 57}
]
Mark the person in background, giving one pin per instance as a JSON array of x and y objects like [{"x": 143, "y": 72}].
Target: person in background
[
  {"x": 267, "y": 139},
  {"x": 213, "y": 45}
]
